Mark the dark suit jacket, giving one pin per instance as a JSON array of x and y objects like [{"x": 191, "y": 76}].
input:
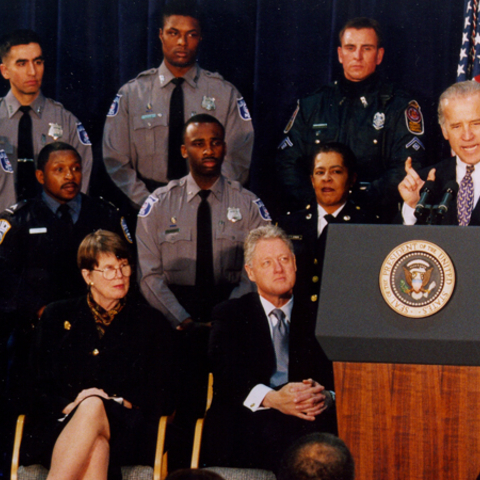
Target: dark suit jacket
[
  {"x": 444, "y": 173},
  {"x": 242, "y": 356}
]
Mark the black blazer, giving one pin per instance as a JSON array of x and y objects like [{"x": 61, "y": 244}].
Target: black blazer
[
  {"x": 134, "y": 359},
  {"x": 445, "y": 171},
  {"x": 242, "y": 354}
]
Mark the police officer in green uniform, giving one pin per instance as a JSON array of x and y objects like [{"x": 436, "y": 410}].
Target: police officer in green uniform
[
  {"x": 382, "y": 124},
  {"x": 136, "y": 135}
]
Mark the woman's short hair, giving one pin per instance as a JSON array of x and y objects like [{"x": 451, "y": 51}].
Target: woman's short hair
[
  {"x": 349, "y": 159},
  {"x": 96, "y": 243}
]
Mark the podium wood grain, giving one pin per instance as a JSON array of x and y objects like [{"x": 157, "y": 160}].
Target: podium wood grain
[{"x": 409, "y": 422}]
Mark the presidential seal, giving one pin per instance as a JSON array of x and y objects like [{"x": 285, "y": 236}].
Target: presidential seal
[{"x": 417, "y": 279}]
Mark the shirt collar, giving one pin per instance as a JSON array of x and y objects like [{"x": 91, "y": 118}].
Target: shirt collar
[
  {"x": 322, "y": 212},
  {"x": 75, "y": 204},
  {"x": 268, "y": 307},
  {"x": 13, "y": 104},
  {"x": 193, "y": 188},
  {"x": 166, "y": 76}
]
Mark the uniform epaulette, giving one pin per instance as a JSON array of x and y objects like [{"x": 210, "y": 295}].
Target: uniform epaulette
[
  {"x": 173, "y": 184},
  {"x": 234, "y": 184},
  {"x": 213, "y": 75},
  {"x": 13, "y": 209},
  {"x": 143, "y": 74}
]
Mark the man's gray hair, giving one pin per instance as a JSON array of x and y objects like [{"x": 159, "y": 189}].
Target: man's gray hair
[
  {"x": 267, "y": 232},
  {"x": 457, "y": 90}
]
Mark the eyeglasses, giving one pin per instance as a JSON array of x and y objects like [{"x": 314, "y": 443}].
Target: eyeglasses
[{"x": 110, "y": 273}]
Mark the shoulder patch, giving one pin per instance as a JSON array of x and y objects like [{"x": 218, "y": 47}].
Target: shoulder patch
[
  {"x": 263, "y": 210},
  {"x": 286, "y": 142},
  {"x": 4, "y": 228},
  {"x": 243, "y": 110},
  {"x": 113, "y": 110},
  {"x": 414, "y": 118},
  {"x": 82, "y": 134},
  {"x": 292, "y": 118},
  {"x": 147, "y": 206},
  {"x": 5, "y": 162},
  {"x": 126, "y": 231}
]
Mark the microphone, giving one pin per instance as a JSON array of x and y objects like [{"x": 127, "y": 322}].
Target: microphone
[
  {"x": 449, "y": 194},
  {"x": 425, "y": 193}
]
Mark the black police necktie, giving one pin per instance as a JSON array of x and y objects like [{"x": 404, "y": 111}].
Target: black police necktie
[
  {"x": 204, "y": 269},
  {"x": 64, "y": 215},
  {"x": 26, "y": 186},
  {"x": 177, "y": 166},
  {"x": 329, "y": 218}
]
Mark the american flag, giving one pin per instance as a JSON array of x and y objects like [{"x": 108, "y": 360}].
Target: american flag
[{"x": 469, "y": 63}]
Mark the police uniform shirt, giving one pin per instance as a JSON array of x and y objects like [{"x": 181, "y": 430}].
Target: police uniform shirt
[
  {"x": 135, "y": 141},
  {"x": 50, "y": 122},
  {"x": 166, "y": 239},
  {"x": 461, "y": 169},
  {"x": 321, "y": 221}
]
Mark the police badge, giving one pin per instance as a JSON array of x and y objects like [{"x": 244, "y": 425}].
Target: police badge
[
  {"x": 55, "y": 131},
  {"x": 379, "y": 121},
  {"x": 208, "y": 103},
  {"x": 234, "y": 214}
]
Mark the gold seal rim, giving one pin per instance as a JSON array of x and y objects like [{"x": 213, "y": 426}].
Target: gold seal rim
[{"x": 447, "y": 269}]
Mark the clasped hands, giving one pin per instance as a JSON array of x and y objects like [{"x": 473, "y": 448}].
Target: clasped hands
[{"x": 304, "y": 400}]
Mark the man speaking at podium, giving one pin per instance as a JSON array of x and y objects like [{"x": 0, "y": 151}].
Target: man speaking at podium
[{"x": 452, "y": 186}]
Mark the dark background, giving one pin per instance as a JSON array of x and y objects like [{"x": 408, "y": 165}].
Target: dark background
[{"x": 274, "y": 51}]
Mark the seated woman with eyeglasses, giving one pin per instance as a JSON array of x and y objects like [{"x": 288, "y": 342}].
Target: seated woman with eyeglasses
[{"x": 104, "y": 370}]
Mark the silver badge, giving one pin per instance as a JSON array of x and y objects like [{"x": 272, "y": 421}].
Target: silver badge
[
  {"x": 208, "y": 103},
  {"x": 379, "y": 120},
  {"x": 55, "y": 131},
  {"x": 234, "y": 214}
]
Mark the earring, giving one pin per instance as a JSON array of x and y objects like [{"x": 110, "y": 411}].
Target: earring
[{"x": 91, "y": 284}]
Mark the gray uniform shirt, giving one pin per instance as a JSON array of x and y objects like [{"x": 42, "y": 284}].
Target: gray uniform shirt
[
  {"x": 135, "y": 140},
  {"x": 50, "y": 122},
  {"x": 167, "y": 239}
]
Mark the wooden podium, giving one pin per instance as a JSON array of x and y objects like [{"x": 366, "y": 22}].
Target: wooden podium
[{"x": 408, "y": 390}]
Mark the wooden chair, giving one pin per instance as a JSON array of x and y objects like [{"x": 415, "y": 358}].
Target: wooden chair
[
  {"x": 137, "y": 472},
  {"x": 225, "y": 472},
  {"x": 197, "y": 438}
]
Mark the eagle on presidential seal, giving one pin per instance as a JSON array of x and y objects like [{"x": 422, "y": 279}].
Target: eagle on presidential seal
[{"x": 417, "y": 275}]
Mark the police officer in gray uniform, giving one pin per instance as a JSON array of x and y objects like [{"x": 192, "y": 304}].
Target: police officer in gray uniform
[
  {"x": 23, "y": 66},
  {"x": 167, "y": 233},
  {"x": 136, "y": 135}
]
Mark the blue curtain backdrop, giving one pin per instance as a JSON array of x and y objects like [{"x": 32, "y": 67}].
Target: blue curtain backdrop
[{"x": 274, "y": 51}]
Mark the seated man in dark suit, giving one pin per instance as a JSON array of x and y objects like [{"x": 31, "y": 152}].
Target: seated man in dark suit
[
  {"x": 459, "y": 117},
  {"x": 266, "y": 365}
]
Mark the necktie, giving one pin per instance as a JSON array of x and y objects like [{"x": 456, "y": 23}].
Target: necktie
[
  {"x": 177, "y": 166},
  {"x": 204, "y": 268},
  {"x": 64, "y": 215},
  {"x": 280, "y": 343},
  {"x": 329, "y": 217},
  {"x": 27, "y": 186},
  {"x": 465, "y": 198}
]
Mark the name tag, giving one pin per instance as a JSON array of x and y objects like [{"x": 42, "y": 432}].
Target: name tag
[{"x": 34, "y": 231}]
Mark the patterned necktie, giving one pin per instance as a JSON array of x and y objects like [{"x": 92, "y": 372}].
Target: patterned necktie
[
  {"x": 280, "y": 343},
  {"x": 204, "y": 276},
  {"x": 177, "y": 166},
  {"x": 465, "y": 198},
  {"x": 27, "y": 186}
]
